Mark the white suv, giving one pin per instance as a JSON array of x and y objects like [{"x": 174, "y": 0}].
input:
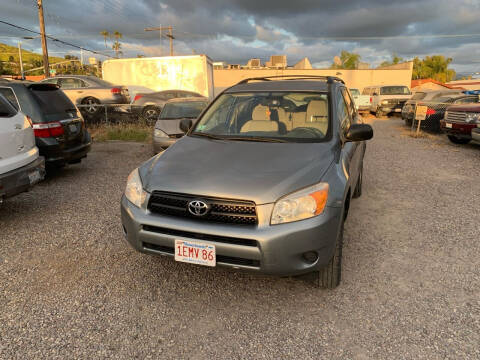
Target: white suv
[
  {"x": 20, "y": 165},
  {"x": 386, "y": 99}
]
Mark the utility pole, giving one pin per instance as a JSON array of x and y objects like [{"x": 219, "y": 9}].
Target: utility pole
[
  {"x": 21, "y": 60},
  {"x": 46, "y": 67},
  {"x": 169, "y": 35}
]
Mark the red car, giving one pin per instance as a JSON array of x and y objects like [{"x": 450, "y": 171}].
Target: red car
[{"x": 459, "y": 121}]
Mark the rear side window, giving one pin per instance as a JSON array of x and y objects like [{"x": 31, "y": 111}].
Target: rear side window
[
  {"x": 366, "y": 91},
  {"x": 6, "y": 109},
  {"x": 394, "y": 90},
  {"x": 52, "y": 101},
  {"x": 71, "y": 83},
  {"x": 10, "y": 96}
]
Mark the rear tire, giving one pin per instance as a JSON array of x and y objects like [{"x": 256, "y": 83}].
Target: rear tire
[
  {"x": 150, "y": 113},
  {"x": 330, "y": 276},
  {"x": 92, "y": 108},
  {"x": 458, "y": 140}
]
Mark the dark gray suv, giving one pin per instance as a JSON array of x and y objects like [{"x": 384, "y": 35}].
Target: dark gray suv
[{"x": 262, "y": 181}]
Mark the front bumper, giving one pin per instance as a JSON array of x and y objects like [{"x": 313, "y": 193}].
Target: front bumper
[
  {"x": 391, "y": 108},
  {"x": 476, "y": 134},
  {"x": 55, "y": 153},
  {"x": 20, "y": 180},
  {"x": 162, "y": 143},
  {"x": 462, "y": 130},
  {"x": 276, "y": 250}
]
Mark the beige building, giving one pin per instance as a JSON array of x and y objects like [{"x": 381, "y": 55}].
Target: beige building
[{"x": 400, "y": 75}]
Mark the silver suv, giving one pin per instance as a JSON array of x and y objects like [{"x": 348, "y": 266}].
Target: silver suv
[{"x": 262, "y": 181}]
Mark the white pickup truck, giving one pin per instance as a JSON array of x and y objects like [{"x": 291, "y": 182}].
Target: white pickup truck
[
  {"x": 362, "y": 102},
  {"x": 20, "y": 164}
]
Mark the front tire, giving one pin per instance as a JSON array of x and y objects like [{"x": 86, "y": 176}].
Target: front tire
[
  {"x": 458, "y": 140},
  {"x": 150, "y": 113},
  {"x": 329, "y": 277}
]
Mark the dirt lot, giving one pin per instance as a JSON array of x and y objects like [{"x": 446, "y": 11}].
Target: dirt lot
[{"x": 71, "y": 287}]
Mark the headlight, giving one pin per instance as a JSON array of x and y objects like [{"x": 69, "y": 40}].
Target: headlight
[
  {"x": 159, "y": 133},
  {"x": 473, "y": 118},
  {"x": 385, "y": 102},
  {"x": 303, "y": 204},
  {"x": 134, "y": 191}
]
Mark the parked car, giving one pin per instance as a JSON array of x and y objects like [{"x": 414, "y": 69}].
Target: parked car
[
  {"x": 21, "y": 167},
  {"x": 58, "y": 126},
  {"x": 362, "y": 102},
  {"x": 167, "y": 128},
  {"x": 436, "y": 108},
  {"x": 262, "y": 181},
  {"x": 149, "y": 105},
  {"x": 387, "y": 99},
  {"x": 89, "y": 92},
  {"x": 461, "y": 123},
  {"x": 408, "y": 110},
  {"x": 476, "y": 133}
]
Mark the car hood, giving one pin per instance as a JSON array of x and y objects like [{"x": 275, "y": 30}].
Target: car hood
[
  {"x": 244, "y": 170},
  {"x": 465, "y": 107}
]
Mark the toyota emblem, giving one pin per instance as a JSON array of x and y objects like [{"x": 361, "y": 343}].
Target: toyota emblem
[{"x": 198, "y": 207}]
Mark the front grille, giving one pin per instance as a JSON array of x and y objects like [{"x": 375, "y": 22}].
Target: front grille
[
  {"x": 456, "y": 116},
  {"x": 200, "y": 236},
  {"x": 230, "y": 260},
  {"x": 221, "y": 210}
]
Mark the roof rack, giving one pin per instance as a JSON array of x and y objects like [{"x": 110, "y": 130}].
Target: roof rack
[{"x": 329, "y": 79}]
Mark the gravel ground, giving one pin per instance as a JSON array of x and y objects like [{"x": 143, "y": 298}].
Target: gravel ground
[{"x": 71, "y": 287}]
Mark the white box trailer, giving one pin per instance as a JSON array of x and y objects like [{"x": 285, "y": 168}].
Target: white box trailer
[{"x": 149, "y": 74}]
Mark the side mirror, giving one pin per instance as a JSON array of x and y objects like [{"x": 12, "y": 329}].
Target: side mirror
[
  {"x": 185, "y": 125},
  {"x": 359, "y": 132}
]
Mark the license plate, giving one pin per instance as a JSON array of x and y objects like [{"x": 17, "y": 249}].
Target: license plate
[
  {"x": 72, "y": 127},
  {"x": 195, "y": 252},
  {"x": 34, "y": 177},
  {"x": 398, "y": 110},
  {"x": 448, "y": 125}
]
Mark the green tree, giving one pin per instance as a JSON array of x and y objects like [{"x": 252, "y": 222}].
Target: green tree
[
  {"x": 117, "y": 48},
  {"x": 105, "y": 34},
  {"x": 349, "y": 60},
  {"x": 435, "y": 67},
  {"x": 395, "y": 60}
]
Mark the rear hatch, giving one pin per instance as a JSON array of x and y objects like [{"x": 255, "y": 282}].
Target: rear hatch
[
  {"x": 60, "y": 119},
  {"x": 16, "y": 138}
]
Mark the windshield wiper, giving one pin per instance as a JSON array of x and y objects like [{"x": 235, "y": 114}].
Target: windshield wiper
[
  {"x": 210, "y": 136},
  {"x": 255, "y": 138}
]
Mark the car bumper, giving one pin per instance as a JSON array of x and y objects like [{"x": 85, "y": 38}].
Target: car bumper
[
  {"x": 463, "y": 130},
  {"x": 20, "y": 180},
  {"x": 387, "y": 109},
  {"x": 160, "y": 144},
  {"x": 56, "y": 154},
  {"x": 476, "y": 134},
  {"x": 277, "y": 250}
]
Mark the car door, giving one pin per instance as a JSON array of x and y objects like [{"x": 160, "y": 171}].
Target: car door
[
  {"x": 74, "y": 88},
  {"x": 358, "y": 147},
  {"x": 348, "y": 148}
]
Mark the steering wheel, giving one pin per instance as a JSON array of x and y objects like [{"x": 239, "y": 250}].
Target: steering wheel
[{"x": 314, "y": 131}]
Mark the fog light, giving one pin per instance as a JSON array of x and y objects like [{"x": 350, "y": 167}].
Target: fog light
[{"x": 310, "y": 256}]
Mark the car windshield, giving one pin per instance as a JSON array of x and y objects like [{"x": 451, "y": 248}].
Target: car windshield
[
  {"x": 179, "y": 110},
  {"x": 418, "y": 96},
  {"x": 354, "y": 92},
  {"x": 394, "y": 90},
  {"x": 267, "y": 116}
]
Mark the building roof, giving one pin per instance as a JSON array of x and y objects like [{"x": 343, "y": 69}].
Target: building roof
[{"x": 419, "y": 82}]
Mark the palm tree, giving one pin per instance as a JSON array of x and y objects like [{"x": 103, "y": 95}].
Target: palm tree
[
  {"x": 117, "y": 48},
  {"x": 117, "y": 34},
  {"x": 105, "y": 34}
]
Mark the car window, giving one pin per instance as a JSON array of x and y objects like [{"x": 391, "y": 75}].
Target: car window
[
  {"x": 350, "y": 103},
  {"x": 366, "y": 91},
  {"x": 394, "y": 90},
  {"x": 343, "y": 115},
  {"x": 50, "y": 81},
  {"x": 285, "y": 116},
  {"x": 419, "y": 96},
  {"x": 71, "y": 83},
  {"x": 467, "y": 100},
  {"x": 6, "y": 109},
  {"x": 52, "y": 101},
  {"x": 354, "y": 92},
  {"x": 10, "y": 96},
  {"x": 178, "y": 110}
]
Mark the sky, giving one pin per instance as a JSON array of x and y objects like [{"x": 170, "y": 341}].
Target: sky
[{"x": 237, "y": 30}]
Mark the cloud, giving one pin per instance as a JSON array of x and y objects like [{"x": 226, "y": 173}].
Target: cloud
[{"x": 237, "y": 30}]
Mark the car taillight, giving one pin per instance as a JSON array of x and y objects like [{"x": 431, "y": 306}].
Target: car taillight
[
  {"x": 44, "y": 130},
  {"x": 430, "y": 111},
  {"x": 137, "y": 97},
  {"x": 116, "y": 90},
  {"x": 370, "y": 99}
]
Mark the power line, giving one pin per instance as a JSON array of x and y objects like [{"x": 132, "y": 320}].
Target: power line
[{"x": 55, "y": 39}]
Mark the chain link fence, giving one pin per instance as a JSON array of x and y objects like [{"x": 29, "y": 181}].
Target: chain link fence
[{"x": 110, "y": 114}]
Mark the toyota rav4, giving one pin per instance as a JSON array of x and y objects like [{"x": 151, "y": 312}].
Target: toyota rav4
[{"x": 262, "y": 181}]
